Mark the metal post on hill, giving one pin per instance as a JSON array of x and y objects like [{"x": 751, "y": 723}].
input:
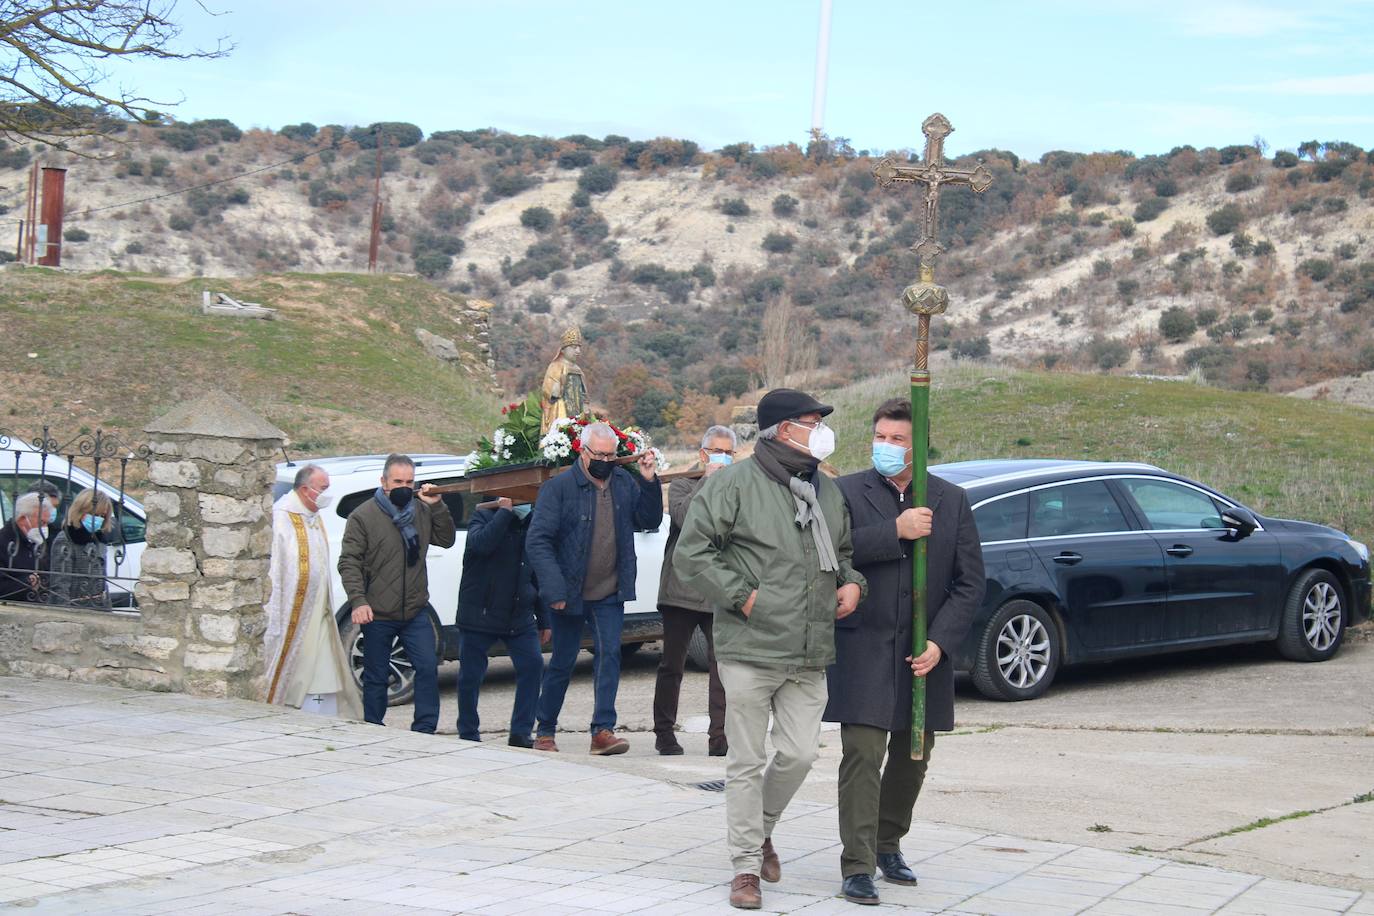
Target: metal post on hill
[
  {"x": 374, "y": 240},
  {"x": 923, "y": 299}
]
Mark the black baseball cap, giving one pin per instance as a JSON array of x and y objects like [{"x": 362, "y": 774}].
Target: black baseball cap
[{"x": 788, "y": 404}]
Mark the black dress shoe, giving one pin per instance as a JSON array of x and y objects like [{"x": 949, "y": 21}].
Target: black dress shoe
[
  {"x": 718, "y": 748},
  {"x": 670, "y": 750},
  {"x": 524, "y": 741},
  {"x": 894, "y": 868},
  {"x": 860, "y": 889}
]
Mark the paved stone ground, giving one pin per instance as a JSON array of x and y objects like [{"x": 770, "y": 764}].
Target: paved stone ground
[{"x": 116, "y": 801}]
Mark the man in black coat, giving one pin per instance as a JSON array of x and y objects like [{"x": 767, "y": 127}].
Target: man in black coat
[
  {"x": 24, "y": 550},
  {"x": 870, "y": 682},
  {"x": 497, "y": 602}
]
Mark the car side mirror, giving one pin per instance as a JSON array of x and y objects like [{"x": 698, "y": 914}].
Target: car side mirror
[{"x": 1241, "y": 521}]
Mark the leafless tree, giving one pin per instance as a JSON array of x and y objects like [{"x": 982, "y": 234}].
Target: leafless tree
[
  {"x": 53, "y": 58},
  {"x": 787, "y": 351}
]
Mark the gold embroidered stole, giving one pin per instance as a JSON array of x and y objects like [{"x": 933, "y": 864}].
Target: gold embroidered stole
[{"x": 298, "y": 603}]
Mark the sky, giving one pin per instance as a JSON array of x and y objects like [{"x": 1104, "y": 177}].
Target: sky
[{"x": 1027, "y": 76}]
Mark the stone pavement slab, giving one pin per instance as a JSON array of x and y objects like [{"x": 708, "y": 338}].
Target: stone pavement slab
[{"x": 115, "y": 801}]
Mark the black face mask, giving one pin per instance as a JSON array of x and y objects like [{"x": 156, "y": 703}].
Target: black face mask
[
  {"x": 400, "y": 496},
  {"x": 600, "y": 469}
]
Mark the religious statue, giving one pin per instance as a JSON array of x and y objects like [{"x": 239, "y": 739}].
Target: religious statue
[{"x": 564, "y": 393}]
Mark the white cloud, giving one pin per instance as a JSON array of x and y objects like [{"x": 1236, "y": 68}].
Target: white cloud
[{"x": 1240, "y": 20}]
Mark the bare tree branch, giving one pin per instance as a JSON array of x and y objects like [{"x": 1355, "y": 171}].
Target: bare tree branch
[{"x": 53, "y": 55}]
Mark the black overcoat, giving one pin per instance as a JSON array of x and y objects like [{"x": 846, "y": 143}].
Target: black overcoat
[{"x": 870, "y": 682}]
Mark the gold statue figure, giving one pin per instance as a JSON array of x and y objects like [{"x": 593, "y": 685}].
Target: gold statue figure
[{"x": 564, "y": 393}]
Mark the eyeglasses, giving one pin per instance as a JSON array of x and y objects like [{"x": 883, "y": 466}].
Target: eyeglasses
[
  {"x": 604, "y": 456},
  {"x": 719, "y": 451}
]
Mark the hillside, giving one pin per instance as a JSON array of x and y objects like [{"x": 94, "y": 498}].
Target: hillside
[
  {"x": 1256, "y": 271},
  {"x": 340, "y": 370},
  {"x": 1281, "y": 456}
]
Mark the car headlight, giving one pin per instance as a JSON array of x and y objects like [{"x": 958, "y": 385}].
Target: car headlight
[{"x": 1361, "y": 549}]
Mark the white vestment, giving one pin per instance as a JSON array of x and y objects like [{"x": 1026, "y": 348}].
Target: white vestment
[{"x": 302, "y": 649}]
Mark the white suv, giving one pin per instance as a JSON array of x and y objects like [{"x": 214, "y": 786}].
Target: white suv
[{"x": 353, "y": 480}]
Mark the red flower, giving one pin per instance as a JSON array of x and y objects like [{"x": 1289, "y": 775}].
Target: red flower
[{"x": 504, "y": 410}]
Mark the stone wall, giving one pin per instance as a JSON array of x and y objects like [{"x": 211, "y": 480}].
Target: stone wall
[{"x": 204, "y": 569}]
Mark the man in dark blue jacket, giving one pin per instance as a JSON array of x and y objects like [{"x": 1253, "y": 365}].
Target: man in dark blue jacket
[
  {"x": 497, "y": 603},
  {"x": 581, "y": 545}
]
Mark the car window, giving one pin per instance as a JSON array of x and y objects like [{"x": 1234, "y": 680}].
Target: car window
[
  {"x": 133, "y": 528},
  {"x": 1172, "y": 506},
  {"x": 1002, "y": 519},
  {"x": 1076, "y": 508}
]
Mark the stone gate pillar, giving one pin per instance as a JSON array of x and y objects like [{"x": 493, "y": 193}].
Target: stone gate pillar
[{"x": 205, "y": 574}]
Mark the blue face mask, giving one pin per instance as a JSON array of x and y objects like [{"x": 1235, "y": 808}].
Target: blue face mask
[
  {"x": 888, "y": 459},
  {"x": 722, "y": 459},
  {"x": 92, "y": 523},
  {"x": 522, "y": 512},
  {"x": 52, "y": 515}
]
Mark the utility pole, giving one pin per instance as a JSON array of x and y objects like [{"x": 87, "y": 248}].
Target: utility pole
[{"x": 375, "y": 241}]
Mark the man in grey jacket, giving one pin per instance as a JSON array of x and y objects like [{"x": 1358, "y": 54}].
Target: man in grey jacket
[
  {"x": 684, "y": 611},
  {"x": 767, "y": 542},
  {"x": 382, "y": 565}
]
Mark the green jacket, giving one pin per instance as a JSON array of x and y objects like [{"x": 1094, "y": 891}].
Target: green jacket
[
  {"x": 740, "y": 534},
  {"x": 372, "y": 561}
]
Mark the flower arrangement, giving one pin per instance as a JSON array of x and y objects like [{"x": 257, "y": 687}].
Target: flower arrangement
[{"x": 517, "y": 439}]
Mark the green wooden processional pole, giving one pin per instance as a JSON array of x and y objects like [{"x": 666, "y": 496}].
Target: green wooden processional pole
[{"x": 924, "y": 299}]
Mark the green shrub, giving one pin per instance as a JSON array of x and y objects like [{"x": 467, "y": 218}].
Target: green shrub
[
  {"x": 1206, "y": 316},
  {"x": 1237, "y": 182},
  {"x": 1262, "y": 315},
  {"x": 1176, "y": 324},
  {"x": 1334, "y": 204},
  {"x": 1264, "y": 248},
  {"x": 784, "y": 205},
  {"x": 1124, "y": 227},
  {"x": 539, "y": 304},
  {"x": 729, "y": 382},
  {"x": 1127, "y": 288},
  {"x": 1102, "y": 269},
  {"x": 735, "y": 206},
  {"x": 76, "y": 235},
  {"x": 1317, "y": 269},
  {"x": 181, "y": 222},
  {"x": 1242, "y": 244},
  {"x": 393, "y": 134},
  {"x": 971, "y": 347},
  {"x": 575, "y": 159},
  {"x": 1283, "y": 159},
  {"x": 1150, "y": 208},
  {"x": 1226, "y": 219},
  {"x": 134, "y": 247},
  {"x": 779, "y": 242},
  {"x": 540, "y": 219},
  {"x": 1107, "y": 353},
  {"x": 597, "y": 179},
  {"x": 704, "y": 275},
  {"x": 302, "y": 131},
  {"x": 157, "y": 166},
  {"x": 431, "y": 263},
  {"x": 509, "y": 182},
  {"x": 1166, "y": 187}
]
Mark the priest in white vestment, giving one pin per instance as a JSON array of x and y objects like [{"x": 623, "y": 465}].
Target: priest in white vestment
[{"x": 305, "y": 660}]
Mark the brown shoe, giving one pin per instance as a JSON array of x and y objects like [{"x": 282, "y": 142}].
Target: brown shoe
[
  {"x": 545, "y": 743},
  {"x": 772, "y": 866},
  {"x": 605, "y": 743},
  {"x": 745, "y": 893}
]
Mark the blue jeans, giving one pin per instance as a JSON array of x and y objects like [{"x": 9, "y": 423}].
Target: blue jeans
[
  {"x": 606, "y": 617},
  {"x": 472, "y": 667},
  {"x": 417, "y": 638}
]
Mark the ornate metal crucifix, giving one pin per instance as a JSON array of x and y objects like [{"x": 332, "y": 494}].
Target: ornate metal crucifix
[{"x": 923, "y": 299}]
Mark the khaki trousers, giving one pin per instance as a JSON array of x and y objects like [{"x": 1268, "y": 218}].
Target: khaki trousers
[
  {"x": 757, "y": 789},
  {"x": 875, "y": 800}
]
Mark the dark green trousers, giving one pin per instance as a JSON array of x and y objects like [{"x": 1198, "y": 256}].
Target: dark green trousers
[{"x": 876, "y": 800}]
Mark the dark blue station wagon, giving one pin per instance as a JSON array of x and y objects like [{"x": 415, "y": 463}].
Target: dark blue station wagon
[{"x": 1090, "y": 562}]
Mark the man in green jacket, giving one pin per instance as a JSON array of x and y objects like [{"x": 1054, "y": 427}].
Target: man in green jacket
[
  {"x": 382, "y": 565},
  {"x": 767, "y": 542}
]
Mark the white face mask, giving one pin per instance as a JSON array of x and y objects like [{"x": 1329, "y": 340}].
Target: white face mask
[
  {"x": 36, "y": 535},
  {"x": 822, "y": 441},
  {"x": 323, "y": 500}
]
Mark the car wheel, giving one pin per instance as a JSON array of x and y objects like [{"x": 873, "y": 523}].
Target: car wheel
[
  {"x": 400, "y": 688},
  {"x": 1313, "y": 622},
  {"x": 1018, "y": 654},
  {"x": 698, "y": 652}
]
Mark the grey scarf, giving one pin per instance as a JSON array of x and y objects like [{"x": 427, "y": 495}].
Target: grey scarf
[
  {"x": 404, "y": 520},
  {"x": 777, "y": 461}
]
